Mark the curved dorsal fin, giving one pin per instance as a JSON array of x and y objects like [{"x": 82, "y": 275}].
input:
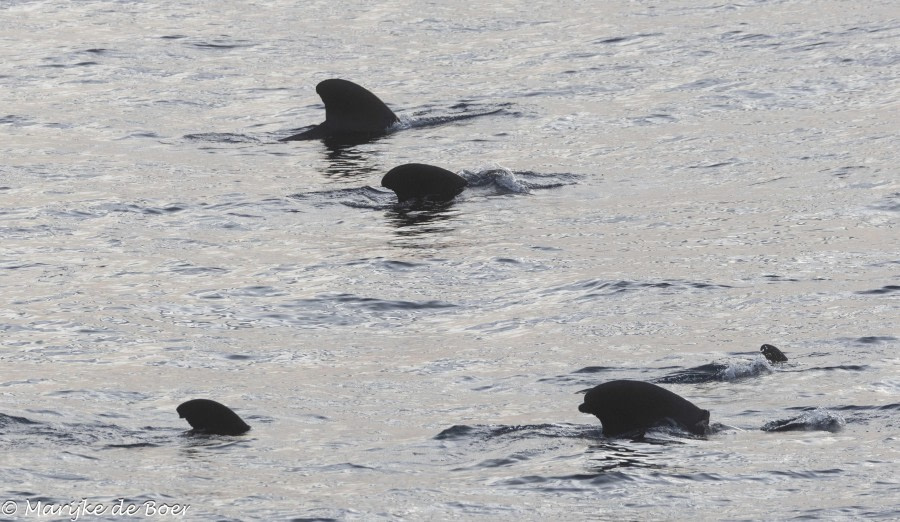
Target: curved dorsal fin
[{"x": 352, "y": 109}]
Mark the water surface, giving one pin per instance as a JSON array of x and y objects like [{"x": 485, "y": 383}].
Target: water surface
[{"x": 663, "y": 188}]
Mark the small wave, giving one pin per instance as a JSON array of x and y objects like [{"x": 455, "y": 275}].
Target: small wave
[
  {"x": 626, "y": 39},
  {"x": 381, "y": 305},
  {"x": 7, "y": 265},
  {"x": 185, "y": 268},
  {"x": 396, "y": 265},
  {"x": 842, "y": 367},
  {"x": 607, "y": 456},
  {"x": 259, "y": 291},
  {"x": 344, "y": 467},
  {"x": 595, "y": 369},
  {"x": 496, "y": 180},
  {"x": 499, "y": 179},
  {"x": 778, "y": 278},
  {"x": 704, "y": 373},
  {"x": 883, "y": 290},
  {"x": 569, "y": 483},
  {"x": 741, "y": 369},
  {"x": 359, "y": 197},
  {"x": 102, "y": 210},
  {"x": 815, "y": 420},
  {"x": 863, "y": 409},
  {"x": 221, "y": 137},
  {"x": 20, "y": 431},
  {"x": 875, "y": 339},
  {"x": 729, "y": 371},
  {"x": 17, "y": 121},
  {"x": 321, "y": 311},
  {"x": 223, "y": 44},
  {"x": 12, "y": 420},
  {"x": 890, "y": 203},
  {"x": 464, "y": 111},
  {"x": 67, "y": 65},
  {"x": 594, "y": 288},
  {"x": 132, "y": 445},
  {"x": 541, "y": 181},
  {"x": 480, "y": 432}
]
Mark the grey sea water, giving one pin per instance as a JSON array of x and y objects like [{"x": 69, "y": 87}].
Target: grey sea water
[{"x": 663, "y": 188}]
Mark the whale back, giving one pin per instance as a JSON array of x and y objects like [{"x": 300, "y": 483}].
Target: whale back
[
  {"x": 418, "y": 180},
  {"x": 625, "y": 407},
  {"x": 211, "y": 417}
]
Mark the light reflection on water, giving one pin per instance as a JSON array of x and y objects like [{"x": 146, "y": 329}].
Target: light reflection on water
[{"x": 659, "y": 192}]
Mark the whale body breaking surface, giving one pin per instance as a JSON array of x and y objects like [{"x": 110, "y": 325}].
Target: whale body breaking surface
[
  {"x": 212, "y": 418},
  {"x": 631, "y": 407},
  {"x": 351, "y": 112},
  {"x": 421, "y": 181}
]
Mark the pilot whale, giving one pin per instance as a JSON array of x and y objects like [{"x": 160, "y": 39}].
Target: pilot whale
[
  {"x": 772, "y": 354},
  {"x": 353, "y": 115},
  {"x": 351, "y": 112},
  {"x": 628, "y": 408},
  {"x": 420, "y": 181},
  {"x": 211, "y": 417}
]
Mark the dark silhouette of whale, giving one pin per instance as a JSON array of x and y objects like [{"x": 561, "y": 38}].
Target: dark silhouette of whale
[
  {"x": 627, "y": 408},
  {"x": 351, "y": 113},
  {"x": 211, "y": 417},
  {"x": 420, "y": 181},
  {"x": 772, "y": 353}
]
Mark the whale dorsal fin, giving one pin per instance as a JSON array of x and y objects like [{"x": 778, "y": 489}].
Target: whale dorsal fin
[
  {"x": 352, "y": 109},
  {"x": 210, "y": 417},
  {"x": 351, "y": 112}
]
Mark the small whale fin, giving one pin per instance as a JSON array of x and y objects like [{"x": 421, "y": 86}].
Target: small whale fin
[
  {"x": 350, "y": 111},
  {"x": 421, "y": 181},
  {"x": 772, "y": 353},
  {"x": 211, "y": 417}
]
